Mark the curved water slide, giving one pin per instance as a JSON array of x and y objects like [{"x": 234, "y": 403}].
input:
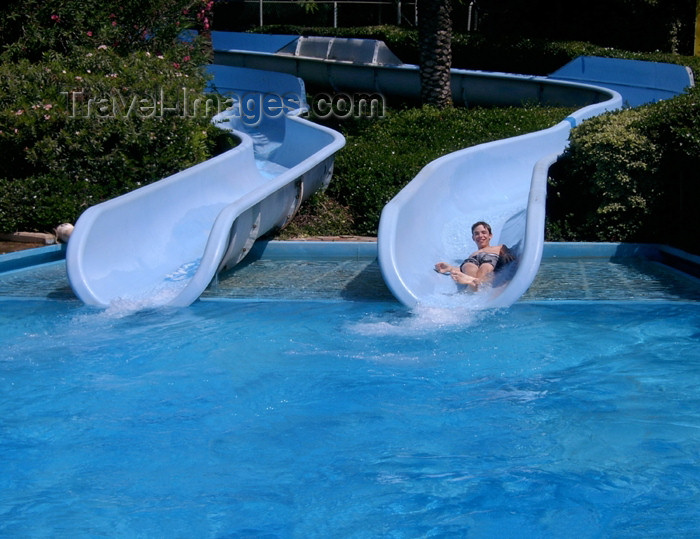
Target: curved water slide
[
  {"x": 163, "y": 244},
  {"x": 502, "y": 182},
  {"x": 369, "y": 67}
]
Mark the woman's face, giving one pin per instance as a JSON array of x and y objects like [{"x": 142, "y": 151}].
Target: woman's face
[{"x": 481, "y": 236}]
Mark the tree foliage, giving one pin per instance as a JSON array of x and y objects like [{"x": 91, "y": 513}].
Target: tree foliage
[{"x": 91, "y": 103}]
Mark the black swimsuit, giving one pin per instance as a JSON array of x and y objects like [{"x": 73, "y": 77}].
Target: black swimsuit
[{"x": 480, "y": 258}]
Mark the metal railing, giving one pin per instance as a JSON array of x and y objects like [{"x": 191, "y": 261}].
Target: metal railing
[
  {"x": 406, "y": 11},
  {"x": 400, "y": 6}
]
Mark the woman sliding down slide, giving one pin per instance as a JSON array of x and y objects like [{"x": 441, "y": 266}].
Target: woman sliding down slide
[{"x": 480, "y": 266}]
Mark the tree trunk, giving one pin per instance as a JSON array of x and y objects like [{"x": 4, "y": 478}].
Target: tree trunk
[{"x": 435, "y": 42}]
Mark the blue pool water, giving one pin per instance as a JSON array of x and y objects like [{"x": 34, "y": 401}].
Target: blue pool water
[{"x": 353, "y": 418}]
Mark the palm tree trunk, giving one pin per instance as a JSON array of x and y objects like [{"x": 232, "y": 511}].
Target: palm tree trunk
[{"x": 435, "y": 41}]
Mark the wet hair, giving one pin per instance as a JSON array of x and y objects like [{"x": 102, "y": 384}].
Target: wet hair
[{"x": 484, "y": 223}]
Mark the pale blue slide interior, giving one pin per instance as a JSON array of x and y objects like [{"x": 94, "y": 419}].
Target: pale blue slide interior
[
  {"x": 162, "y": 244},
  {"x": 503, "y": 183}
]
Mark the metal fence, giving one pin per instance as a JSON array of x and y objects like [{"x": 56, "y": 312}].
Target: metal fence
[
  {"x": 406, "y": 12},
  {"x": 345, "y": 12}
]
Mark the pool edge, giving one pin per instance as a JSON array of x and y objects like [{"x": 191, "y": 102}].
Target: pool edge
[
  {"x": 32, "y": 257},
  {"x": 667, "y": 255}
]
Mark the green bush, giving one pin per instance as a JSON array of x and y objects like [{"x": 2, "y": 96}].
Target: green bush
[
  {"x": 631, "y": 176},
  {"x": 609, "y": 167},
  {"x": 78, "y": 129},
  {"x": 88, "y": 102},
  {"x": 29, "y": 28}
]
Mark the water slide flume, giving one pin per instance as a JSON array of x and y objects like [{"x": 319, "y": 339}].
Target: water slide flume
[
  {"x": 163, "y": 244},
  {"x": 504, "y": 183},
  {"x": 368, "y": 66}
]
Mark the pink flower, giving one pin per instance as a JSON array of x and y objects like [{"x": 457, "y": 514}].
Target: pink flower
[
  {"x": 176, "y": 65},
  {"x": 48, "y": 106},
  {"x": 114, "y": 23},
  {"x": 89, "y": 33},
  {"x": 19, "y": 112},
  {"x": 186, "y": 59},
  {"x": 55, "y": 17}
]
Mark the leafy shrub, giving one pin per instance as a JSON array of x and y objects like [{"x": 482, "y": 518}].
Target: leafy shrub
[
  {"x": 89, "y": 93},
  {"x": 610, "y": 167},
  {"x": 631, "y": 176},
  {"x": 29, "y": 28},
  {"x": 78, "y": 129}
]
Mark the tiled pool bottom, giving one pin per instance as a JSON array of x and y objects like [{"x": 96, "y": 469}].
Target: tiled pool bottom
[
  {"x": 305, "y": 274},
  {"x": 361, "y": 280}
]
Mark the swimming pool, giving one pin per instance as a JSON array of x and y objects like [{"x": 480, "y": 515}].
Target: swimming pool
[{"x": 335, "y": 412}]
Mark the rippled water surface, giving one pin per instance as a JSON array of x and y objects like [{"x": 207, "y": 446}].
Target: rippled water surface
[{"x": 238, "y": 418}]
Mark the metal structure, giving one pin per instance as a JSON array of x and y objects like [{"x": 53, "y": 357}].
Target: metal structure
[{"x": 401, "y": 8}]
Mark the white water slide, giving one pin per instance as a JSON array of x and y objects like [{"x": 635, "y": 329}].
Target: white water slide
[
  {"x": 502, "y": 182},
  {"x": 163, "y": 244}
]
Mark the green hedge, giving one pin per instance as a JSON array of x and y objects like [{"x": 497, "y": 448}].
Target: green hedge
[
  {"x": 81, "y": 88},
  {"x": 29, "y": 28},
  {"x": 631, "y": 176},
  {"x": 76, "y": 130}
]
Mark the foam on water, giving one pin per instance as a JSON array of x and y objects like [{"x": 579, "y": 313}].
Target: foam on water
[
  {"x": 422, "y": 319},
  {"x": 153, "y": 298}
]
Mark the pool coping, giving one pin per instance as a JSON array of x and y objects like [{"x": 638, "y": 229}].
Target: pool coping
[{"x": 277, "y": 249}]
